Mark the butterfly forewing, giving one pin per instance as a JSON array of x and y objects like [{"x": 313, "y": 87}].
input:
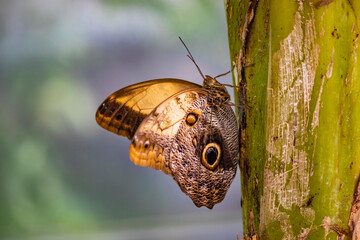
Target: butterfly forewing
[{"x": 124, "y": 110}]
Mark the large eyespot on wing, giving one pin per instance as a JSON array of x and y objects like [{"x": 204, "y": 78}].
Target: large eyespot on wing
[
  {"x": 211, "y": 155},
  {"x": 206, "y": 156},
  {"x": 152, "y": 142},
  {"x": 124, "y": 110}
]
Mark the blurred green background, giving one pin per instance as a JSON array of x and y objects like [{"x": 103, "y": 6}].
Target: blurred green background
[{"x": 61, "y": 175}]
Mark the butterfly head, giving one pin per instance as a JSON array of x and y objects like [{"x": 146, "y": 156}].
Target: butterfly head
[{"x": 217, "y": 91}]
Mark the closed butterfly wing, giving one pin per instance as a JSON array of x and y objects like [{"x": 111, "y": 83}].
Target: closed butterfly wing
[
  {"x": 124, "y": 110},
  {"x": 193, "y": 141}
]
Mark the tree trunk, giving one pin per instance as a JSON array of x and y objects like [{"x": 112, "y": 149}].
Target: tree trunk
[{"x": 297, "y": 65}]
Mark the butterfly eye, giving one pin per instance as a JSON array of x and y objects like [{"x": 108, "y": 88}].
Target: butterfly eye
[
  {"x": 191, "y": 119},
  {"x": 211, "y": 154}
]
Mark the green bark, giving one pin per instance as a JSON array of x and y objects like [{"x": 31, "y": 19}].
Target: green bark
[{"x": 297, "y": 65}]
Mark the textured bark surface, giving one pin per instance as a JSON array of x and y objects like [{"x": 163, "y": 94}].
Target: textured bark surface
[{"x": 297, "y": 63}]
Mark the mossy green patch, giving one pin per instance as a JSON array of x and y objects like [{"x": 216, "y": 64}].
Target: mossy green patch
[{"x": 273, "y": 231}]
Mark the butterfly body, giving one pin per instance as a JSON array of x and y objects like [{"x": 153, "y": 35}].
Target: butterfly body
[{"x": 186, "y": 130}]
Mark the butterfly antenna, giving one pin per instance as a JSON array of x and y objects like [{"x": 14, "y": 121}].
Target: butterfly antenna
[
  {"x": 192, "y": 58},
  {"x": 223, "y": 74}
]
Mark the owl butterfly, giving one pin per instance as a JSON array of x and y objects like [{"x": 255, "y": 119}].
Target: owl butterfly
[{"x": 186, "y": 130}]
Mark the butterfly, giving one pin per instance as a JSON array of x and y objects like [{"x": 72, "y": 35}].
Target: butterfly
[{"x": 185, "y": 130}]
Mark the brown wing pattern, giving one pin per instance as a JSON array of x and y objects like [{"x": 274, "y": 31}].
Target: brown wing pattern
[
  {"x": 152, "y": 140},
  {"x": 124, "y": 110}
]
